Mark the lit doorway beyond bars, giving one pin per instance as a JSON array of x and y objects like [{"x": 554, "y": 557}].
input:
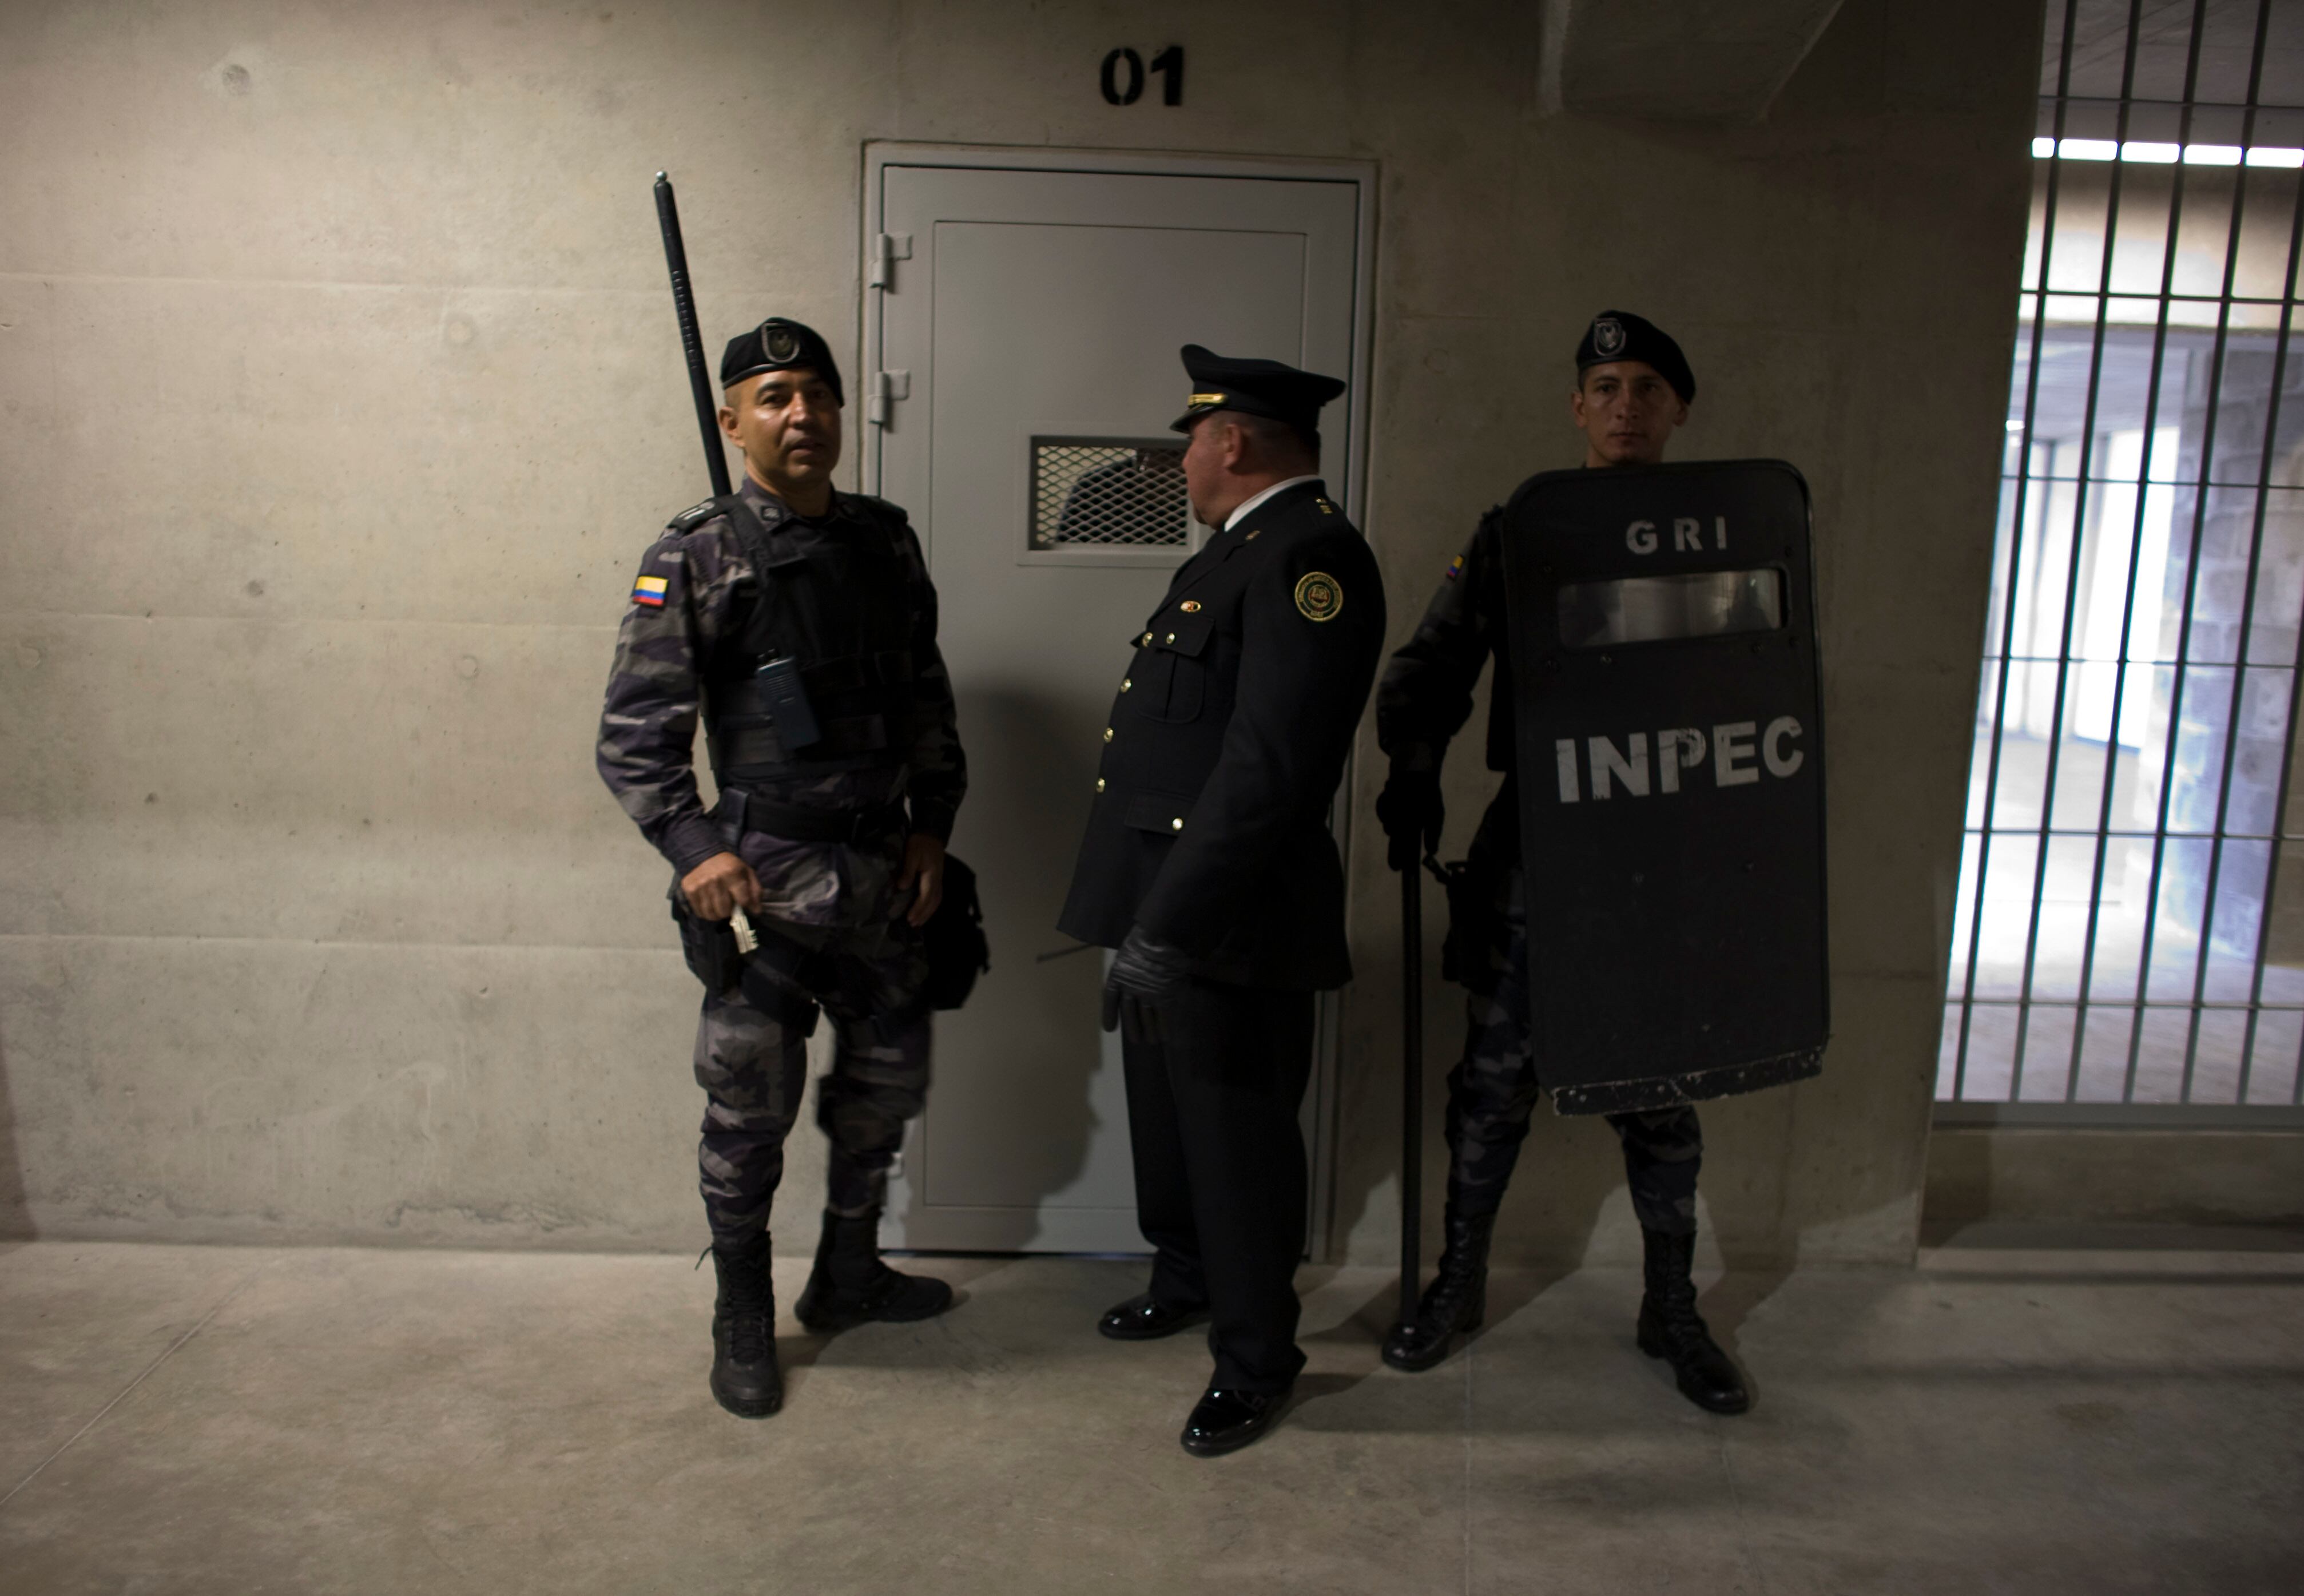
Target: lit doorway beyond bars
[{"x": 2128, "y": 935}]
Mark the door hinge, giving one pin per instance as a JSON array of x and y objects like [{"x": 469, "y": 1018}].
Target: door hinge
[
  {"x": 887, "y": 249},
  {"x": 886, "y": 387}
]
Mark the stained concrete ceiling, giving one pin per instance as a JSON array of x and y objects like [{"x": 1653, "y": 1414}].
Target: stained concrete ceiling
[{"x": 1718, "y": 61}]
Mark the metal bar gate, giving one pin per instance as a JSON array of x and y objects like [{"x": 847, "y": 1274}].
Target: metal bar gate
[{"x": 2126, "y": 945}]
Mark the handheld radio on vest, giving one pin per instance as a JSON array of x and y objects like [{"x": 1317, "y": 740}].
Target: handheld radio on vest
[{"x": 785, "y": 696}]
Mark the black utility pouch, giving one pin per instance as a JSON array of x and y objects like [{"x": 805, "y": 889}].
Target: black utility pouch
[
  {"x": 1467, "y": 955},
  {"x": 785, "y": 695},
  {"x": 709, "y": 947},
  {"x": 953, "y": 938}
]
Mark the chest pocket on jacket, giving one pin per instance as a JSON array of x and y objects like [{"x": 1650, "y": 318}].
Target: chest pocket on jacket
[{"x": 1176, "y": 668}]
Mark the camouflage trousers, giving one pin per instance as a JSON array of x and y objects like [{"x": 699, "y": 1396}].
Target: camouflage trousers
[
  {"x": 1493, "y": 1089},
  {"x": 751, "y": 1059}
]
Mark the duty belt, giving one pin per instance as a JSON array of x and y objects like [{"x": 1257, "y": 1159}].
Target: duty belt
[{"x": 749, "y": 811}]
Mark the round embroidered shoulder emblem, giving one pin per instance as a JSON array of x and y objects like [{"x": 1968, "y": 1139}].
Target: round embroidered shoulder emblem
[{"x": 1318, "y": 596}]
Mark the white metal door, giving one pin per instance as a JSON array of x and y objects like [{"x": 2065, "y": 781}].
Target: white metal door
[{"x": 1021, "y": 344}]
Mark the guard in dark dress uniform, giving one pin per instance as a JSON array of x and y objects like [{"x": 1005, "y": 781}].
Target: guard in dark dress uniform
[
  {"x": 1633, "y": 387},
  {"x": 1210, "y": 864}
]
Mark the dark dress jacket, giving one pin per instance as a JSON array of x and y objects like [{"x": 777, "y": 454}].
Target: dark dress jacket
[{"x": 1225, "y": 743}]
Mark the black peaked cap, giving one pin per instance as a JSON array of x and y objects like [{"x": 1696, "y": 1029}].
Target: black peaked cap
[
  {"x": 778, "y": 344},
  {"x": 1254, "y": 387},
  {"x": 1621, "y": 335}
]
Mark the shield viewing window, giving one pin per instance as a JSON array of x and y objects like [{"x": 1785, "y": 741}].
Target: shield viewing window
[
  {"x": 1644, "y": 609},
  {"x": 1109, "y": 493}
]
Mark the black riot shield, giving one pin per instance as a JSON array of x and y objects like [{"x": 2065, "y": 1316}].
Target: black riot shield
[{"x": 1671, "y": 747}]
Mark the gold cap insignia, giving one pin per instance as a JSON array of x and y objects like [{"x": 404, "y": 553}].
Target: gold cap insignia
[
  {"x": 1319, "y": 596},
  {"x": 1199, "y": 399}
]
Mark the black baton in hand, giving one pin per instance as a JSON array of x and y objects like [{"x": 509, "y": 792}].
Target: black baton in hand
[
  {"x": 683, "y": 302},
  {"x": 1411, "y": 1081}
]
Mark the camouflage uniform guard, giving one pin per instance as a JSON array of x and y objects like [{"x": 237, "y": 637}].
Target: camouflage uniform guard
[{"x": 828, "y": 830}]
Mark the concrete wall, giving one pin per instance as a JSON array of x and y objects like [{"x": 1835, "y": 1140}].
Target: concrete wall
[
  {"x": 340, "y": 392},
  {"x": 2225, "y": 1177}
]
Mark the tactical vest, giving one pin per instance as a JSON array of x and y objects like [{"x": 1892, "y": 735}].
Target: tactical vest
[{"x": 845, "y": 608}]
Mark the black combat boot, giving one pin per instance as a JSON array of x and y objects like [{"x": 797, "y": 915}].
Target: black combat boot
[
  {"x": 745, "y": 1379},
  {"x": 849, "y": 1285},
  {"x": 1456, "y": 1300},
  {"x": 1671, "y": 1328}
]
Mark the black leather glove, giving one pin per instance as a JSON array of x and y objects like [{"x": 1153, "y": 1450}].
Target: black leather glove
[
  {"x": 1410, "y": 811},
  {"x": 1147, "y": 974}
]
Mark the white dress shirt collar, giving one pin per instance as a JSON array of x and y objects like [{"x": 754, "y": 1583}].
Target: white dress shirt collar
[{"x": 1235, "y": 518}]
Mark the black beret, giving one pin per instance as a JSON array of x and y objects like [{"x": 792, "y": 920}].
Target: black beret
[
  {"x": 1621, "y": 335},
  {"x": 777, "y": 344},
  {"x": 1254, "y": 387}
]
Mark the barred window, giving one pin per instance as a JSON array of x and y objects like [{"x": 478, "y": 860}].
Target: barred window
[{"x": 2127, "y": 939}]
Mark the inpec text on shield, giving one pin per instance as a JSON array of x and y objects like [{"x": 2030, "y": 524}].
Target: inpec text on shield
[{"x": 1738, "y": 758}]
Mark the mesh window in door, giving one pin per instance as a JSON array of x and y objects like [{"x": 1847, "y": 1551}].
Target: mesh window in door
[{"x": 1109, "y": 493}]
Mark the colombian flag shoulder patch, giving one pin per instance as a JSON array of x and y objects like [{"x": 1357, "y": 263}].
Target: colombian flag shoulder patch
[
  {"x": 1455, "y": 569},
  {"x": 650, "y": 590}
]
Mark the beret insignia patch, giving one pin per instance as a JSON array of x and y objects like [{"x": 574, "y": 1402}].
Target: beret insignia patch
[
  {"x": 1608, "y": 335},
  {"x": 781, "y": 343},
  {"x": 1318, "y": 596}
]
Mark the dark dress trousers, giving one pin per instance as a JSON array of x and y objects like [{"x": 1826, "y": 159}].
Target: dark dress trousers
[{"x": 1210, "y": 828}]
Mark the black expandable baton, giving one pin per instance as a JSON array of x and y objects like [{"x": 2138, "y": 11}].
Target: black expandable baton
[
  {"x": 1411, "y": 1085},
  {"x": 683, "y": 301}
]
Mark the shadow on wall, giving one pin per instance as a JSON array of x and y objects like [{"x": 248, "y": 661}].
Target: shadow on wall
[
  {"x": 16, "y": 1208},
  {"x": 1568, "y": 1205}
]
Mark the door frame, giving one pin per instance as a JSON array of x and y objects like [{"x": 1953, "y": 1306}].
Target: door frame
[{"x": 1321, "y": 1108}]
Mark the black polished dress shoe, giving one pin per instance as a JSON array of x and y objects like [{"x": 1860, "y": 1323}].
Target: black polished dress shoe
[
  {"x": 1226, "y": 1420},
  {"x": 1145, "y": 1318}
]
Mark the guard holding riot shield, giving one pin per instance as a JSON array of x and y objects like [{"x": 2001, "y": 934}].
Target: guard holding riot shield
[
  {"x": 1640, "y": 920},
  {"x": 800, "y": 622}
]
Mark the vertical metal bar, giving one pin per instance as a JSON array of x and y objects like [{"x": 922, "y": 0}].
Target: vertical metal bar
[
  {"x": 2015, "y": 553},
  {"x": 2295, "y": 664},
  {"x": 2255, "y": 552},
  {"x": 2072, "y": 582},
  {"x": 2184, "y": 617},
  {"x": 2128, "y": 607}
]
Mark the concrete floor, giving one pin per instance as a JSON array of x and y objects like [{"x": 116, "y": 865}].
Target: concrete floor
[{"x": 190, "y": 1419}]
